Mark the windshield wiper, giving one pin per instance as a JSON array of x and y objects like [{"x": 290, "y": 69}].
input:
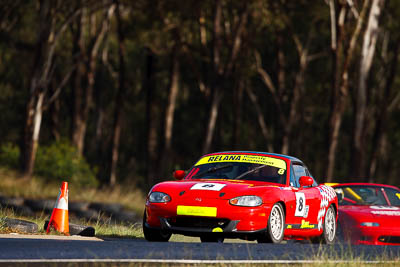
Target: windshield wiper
[
  {"x": 213, "y": 169},
  {"x": 250, "y": 171}
]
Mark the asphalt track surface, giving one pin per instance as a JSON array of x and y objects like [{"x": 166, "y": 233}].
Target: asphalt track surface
[{"x": 22, "y": 248}]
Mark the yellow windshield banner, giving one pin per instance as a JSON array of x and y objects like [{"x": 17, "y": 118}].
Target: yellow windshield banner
[{"x": 274, "y": 162}]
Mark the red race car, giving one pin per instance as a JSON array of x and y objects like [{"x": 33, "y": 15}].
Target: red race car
[
  {"x": 369, "y": 213},
  {"x": 249, "y": 195}
]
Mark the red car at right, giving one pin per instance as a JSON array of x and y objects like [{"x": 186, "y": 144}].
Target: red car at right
[{"x": 369, "y": 214}]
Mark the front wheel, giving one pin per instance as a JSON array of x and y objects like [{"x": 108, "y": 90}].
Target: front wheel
[
  {"x": 276, "y": 226},
  {"x": 154, "y": 234},
  {"x": 328, "y": 228}
]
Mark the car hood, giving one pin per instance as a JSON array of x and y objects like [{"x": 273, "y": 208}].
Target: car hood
[
  {"x": 214, "y": 188},
  {"x": 372, "y": 213}
]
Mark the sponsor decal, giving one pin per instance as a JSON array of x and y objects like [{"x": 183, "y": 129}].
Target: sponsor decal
[
  {"x": 398, "y": 195},
  {"x": 327, "y": 194},
  {"x": 386, "y": 212},
  {"x": 208, "y": 186},
  {"x": 196, "y": 211},
  {"x": 306, "y": 224},
  {"x": 286, "y": 188},
  {"x": 274, "y": 162},
  {"x": 384, "y": 208},
  {"x": 300, "y": 204}
]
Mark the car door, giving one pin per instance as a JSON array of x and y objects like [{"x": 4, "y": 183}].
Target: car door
[{"x": 305, "y": 200}]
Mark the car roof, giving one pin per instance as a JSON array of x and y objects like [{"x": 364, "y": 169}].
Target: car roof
[
  {"x": 258, "y": 153},
  {"x": 365, "y": 184}
]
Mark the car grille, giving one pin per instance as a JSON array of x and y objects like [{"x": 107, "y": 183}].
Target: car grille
[
  {"x": 389, "y": 239},
  {"x": 197, "y": 222}
]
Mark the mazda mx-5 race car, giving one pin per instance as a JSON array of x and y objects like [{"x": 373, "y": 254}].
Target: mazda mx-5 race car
[
  {"x": 369, "y": 213},
  {"x": 249, "y": 195}
]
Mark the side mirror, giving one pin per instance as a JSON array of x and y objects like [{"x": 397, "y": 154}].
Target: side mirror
[
  {"x": 306, "y": 181},
  {"x": 179, "y": 174}
]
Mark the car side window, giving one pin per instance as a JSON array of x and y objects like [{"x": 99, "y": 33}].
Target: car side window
[
  {"x": 394, "y": 196},
  {"x": 299, "y": 171},
  {"x": 293, "y": 181}
]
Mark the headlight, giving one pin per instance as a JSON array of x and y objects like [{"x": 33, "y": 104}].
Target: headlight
[
  {"x": 247, "y": 201},
  {"x": 158, "y": 197},
  {"x": 369, "y": 224}
]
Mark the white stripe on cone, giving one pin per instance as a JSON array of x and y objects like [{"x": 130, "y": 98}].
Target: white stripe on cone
[{"x": 62, "y": 204}]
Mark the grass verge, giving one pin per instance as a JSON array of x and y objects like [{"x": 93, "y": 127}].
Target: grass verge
[{"x": 13, "y": 185}]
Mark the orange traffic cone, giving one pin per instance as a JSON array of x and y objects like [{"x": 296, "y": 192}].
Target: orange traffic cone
[{"x": 59, "y": 216}]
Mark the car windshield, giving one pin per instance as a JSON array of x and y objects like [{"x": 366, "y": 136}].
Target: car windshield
[
  {"x": 367, "y": 195},
  {"x": 240, "y": 167}
]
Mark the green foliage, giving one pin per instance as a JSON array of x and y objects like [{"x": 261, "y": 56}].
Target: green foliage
[
  {"x": 61, "y": 162},
  {"x": 9, "y": 155},
  {"x": 57, "y": 162}
]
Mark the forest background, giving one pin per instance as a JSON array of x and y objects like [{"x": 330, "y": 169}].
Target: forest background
[{"x": 104, "y": 92}]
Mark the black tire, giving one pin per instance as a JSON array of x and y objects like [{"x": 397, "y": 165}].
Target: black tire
[
  {"x": 108, "y": 208},
  {"x": 211, "y": 239},
  {"x": 76, "y": 229},
  {"x": 11, "y": 201},
  {"x": 78, "y": 206},
  {"x": 87, "y": 214},
  {"x": 275, "y": 227},
  {"x": 154, "y": 235},
  {"x": 39, "y": 205},
  {"x": 21, "y": 210},
  {"x": 329, "y": 228},
  {"x": 20, "y": 225}
]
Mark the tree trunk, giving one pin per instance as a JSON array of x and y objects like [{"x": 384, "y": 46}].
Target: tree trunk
[
  {"x": 169, "y": 114},
  {"x": 335, "y": 116},
  {"x": 54, "y": 117},
  {"x": 261, "y": 120},
  {"x": 78, "y": 55},
  {"x": 32, "y": 132},
  {"x": 341, "y": 61},
  {"x": 218, "y": 72},
  {"x": 120, "y": 99},
  {"x": 367, "y": 54},
  {"x": 281, "y": 64},
  {"x": 294, "y": 103},
  {"x": 37, "y": 85},
  {"x": 214, "y": 109},
  {"x": 84, "y": 99},
  {"x": 151, "y": 118},
  {"x": 381, "y": 120},
  {"x": 237, "y": 114}
]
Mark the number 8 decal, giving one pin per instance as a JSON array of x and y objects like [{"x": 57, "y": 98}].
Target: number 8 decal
[{"x": 300, "y": 204}]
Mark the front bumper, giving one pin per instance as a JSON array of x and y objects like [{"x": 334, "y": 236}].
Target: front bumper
[
  {"x": 376, "y": 236},
  {"x": 228, "y": 231},
  {"x": 230, "y": 220}
]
